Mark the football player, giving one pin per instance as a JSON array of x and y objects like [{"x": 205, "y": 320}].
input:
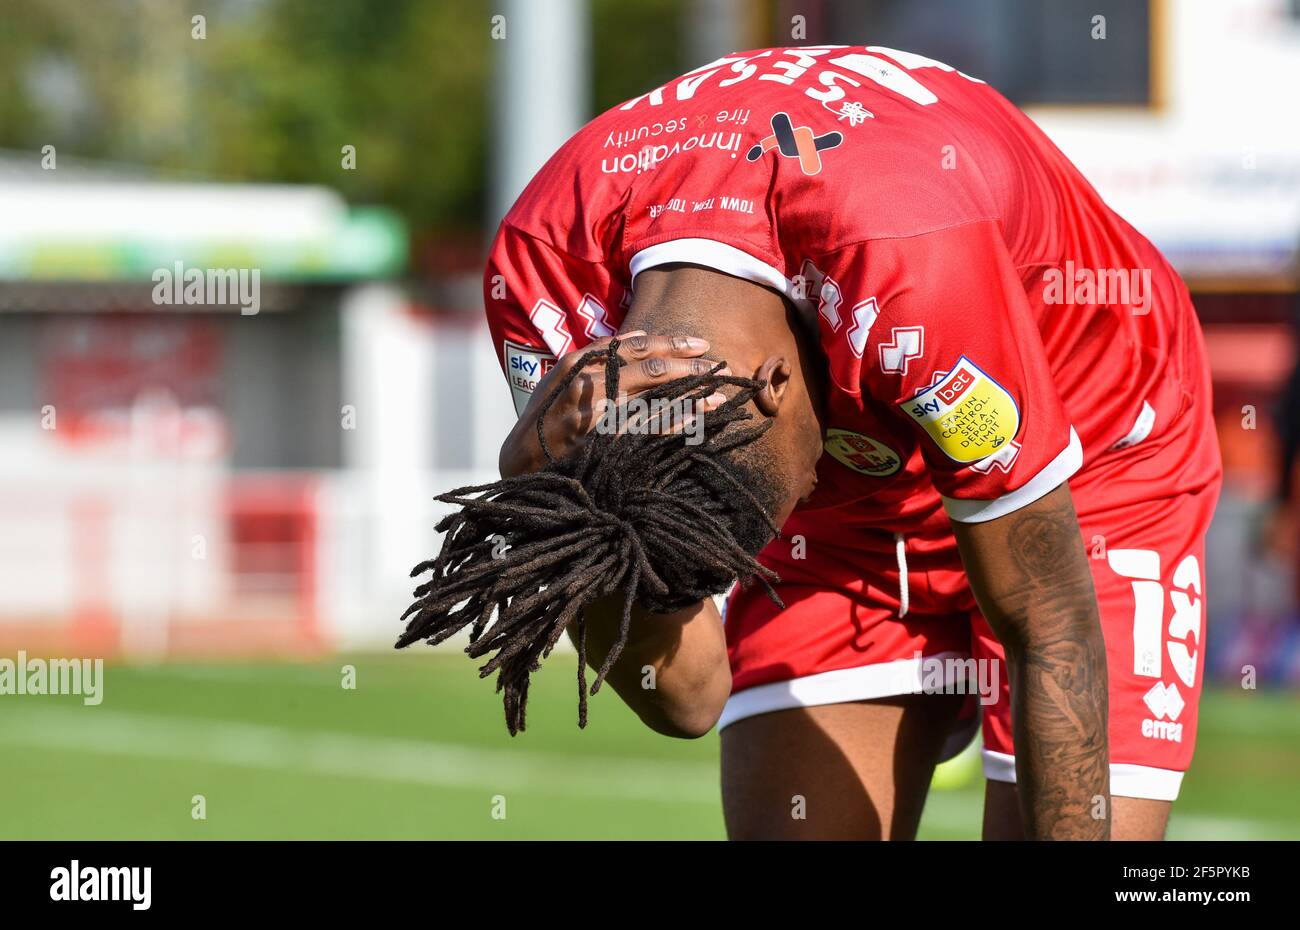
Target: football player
[{"x": 987, "y": 442}]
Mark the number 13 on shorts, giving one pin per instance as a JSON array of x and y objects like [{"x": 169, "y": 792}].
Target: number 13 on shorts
[{"x": 1143, "y": 567}]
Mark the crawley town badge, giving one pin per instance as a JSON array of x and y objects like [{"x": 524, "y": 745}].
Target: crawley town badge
[
  {"x": 863, "y": 454},
  {"x": 967, "y": 413}
]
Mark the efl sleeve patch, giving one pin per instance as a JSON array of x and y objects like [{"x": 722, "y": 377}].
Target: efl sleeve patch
[
  {"x": 525, "y": 366},
  {"x": 967, "y": 413}
]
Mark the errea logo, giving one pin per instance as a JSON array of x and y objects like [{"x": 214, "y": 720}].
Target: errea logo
[{"x": 1164, "y": 700}]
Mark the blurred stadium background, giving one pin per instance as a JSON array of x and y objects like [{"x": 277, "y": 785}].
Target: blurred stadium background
[{"x": 225, "y": 506}]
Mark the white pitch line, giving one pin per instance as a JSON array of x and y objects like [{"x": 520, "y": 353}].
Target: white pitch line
[
  {"x": 493, "y": 771},
  {"x": 248, "y": 745}
]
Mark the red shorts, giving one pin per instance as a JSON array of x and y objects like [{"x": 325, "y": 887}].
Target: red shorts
[{"x": 856, "y": 628}]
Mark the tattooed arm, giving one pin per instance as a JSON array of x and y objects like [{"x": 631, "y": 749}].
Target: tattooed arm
[{"x": 1030, "y": 574}]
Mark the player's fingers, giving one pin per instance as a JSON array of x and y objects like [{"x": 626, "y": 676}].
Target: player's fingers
[
  {"x": 638, "y": 345},
  {"x": 569, "y": 359},
  {"x": 634, "y": 346},
  {"x": 639, "y": 376},
  {"x": 577, "y": 412},
  {"x": 688, "y": 420},
  {"x": 597, "y": 345},
  {"x": 586, "y": 401}
]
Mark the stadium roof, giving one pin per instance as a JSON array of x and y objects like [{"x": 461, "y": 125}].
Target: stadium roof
[
  {"x": 110, "y": 224},
  {"x": 1222, "y": 217}
]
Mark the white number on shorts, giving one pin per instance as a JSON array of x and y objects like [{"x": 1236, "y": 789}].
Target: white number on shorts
[
  {"x": 1186, "y": 620},
  {"x": 1143, "y": 567}
]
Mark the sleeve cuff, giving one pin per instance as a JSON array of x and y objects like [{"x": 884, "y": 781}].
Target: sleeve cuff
[{"x": 1055, "y": 473}]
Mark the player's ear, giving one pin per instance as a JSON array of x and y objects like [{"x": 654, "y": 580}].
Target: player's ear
[{"x": 776, "y": 371}]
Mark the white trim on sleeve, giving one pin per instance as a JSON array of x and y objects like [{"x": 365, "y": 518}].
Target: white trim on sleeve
[
  {"x": 1054, "y": 473},
  {"x": 712, "y": 254},
  {"x": 1126, "y": 780}
]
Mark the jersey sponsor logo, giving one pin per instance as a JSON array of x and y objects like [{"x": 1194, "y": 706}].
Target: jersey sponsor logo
[
  {"x": 967, "y": 414},
  {"x": 951, "y": 391},
  {"x": 907, "y": 343},
  {"x": 652, "y": 156},
  {"x": 863, "y": 454},
  {"x": 792, "y": 142},
  {"x": 625, "y": 137},
  {"x": 525, "y": 367}
]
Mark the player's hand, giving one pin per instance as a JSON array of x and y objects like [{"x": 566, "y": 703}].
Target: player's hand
[{"x": 649, "y": 361}]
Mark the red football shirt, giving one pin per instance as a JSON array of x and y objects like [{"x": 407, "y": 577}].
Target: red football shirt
[{"x": 990, "y": 325}]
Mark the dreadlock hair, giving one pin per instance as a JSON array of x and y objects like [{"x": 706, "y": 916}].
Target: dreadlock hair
[{"x": 664, "y": 522}]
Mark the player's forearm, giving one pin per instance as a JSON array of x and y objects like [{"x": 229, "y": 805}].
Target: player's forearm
[
  {"x": 673, "y": 670},
  {"x": 1058, "y": 675},
  {"x": 1059, "y": 703},
  {"x": 1031, "y": 576}
]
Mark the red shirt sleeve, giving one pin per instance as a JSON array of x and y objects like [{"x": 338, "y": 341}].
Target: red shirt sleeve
[
  {"x": 947, "y": 341},
  {"x": 543, "y": 303}
]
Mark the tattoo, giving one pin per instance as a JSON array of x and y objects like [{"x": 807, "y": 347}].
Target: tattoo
[
  {"x": 1037, "y": 540},
  {"x": 1061, "y": 747},
  {"x": 1060, "y": 697}
]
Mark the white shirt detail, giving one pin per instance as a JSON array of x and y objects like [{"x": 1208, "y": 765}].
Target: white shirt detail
[
  {"x": 1146, "y": 419},
  {"x": 907, "y": 343},
  {"x": 550, "y": 323},
  {"x": 1054, "y": 473},
  {"x": 864, "y": 315}
]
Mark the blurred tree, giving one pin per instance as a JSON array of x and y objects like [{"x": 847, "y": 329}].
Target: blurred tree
[
  {"x": 273, "y": 93},
  {"x": 634, "y": 47},
  {"x": 278, "y": 87}
]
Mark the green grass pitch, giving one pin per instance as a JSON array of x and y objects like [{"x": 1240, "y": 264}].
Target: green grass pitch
[{"x": 419, "y": 750}]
